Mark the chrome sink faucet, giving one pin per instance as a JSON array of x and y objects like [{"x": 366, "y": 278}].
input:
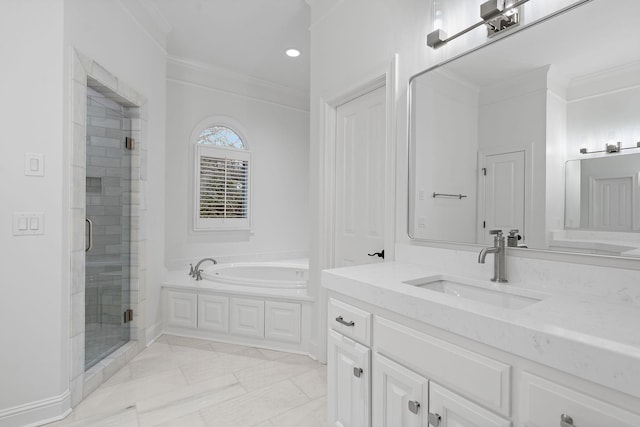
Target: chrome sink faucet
[
  {"x": 195, "y": 271},
  {"x": 499, "y": 274}
]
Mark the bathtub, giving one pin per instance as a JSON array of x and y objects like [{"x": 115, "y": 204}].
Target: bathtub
[
  {"x": 262, "y": 275},
  {"x": 260, "y": 304}
]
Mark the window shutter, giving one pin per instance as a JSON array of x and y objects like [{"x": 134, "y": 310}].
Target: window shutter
[{"x": 222, "y": 188}]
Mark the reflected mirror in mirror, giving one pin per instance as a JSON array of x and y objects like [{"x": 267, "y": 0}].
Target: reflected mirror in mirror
[{"x": 493, "y": 134}]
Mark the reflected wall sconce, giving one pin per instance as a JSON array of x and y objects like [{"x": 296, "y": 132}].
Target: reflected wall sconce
[
  {"x": 610, "y": 148},
  {"x": 496, "y": 16}
]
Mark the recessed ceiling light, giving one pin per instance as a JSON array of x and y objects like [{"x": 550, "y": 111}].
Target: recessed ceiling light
[{"x": 292, "y": 52}]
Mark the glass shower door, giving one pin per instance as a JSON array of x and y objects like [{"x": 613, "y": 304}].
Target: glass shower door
[{"x": 108, "y": 228}]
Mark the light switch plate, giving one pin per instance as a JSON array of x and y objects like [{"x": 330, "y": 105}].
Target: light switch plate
[
  {"x": 33, "y": 164},
  {"x": 28, "y": 223}
]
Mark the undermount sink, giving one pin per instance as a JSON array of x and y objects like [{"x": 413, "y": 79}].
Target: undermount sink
[{"x": 465, "y": 289}]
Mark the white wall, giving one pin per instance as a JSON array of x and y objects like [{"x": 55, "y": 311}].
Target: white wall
[
  {"x": 108, "y": 33},
  {"x": 36, "y": 40},
  {"x": 456, "y": 144},
  {"x": 33, "y": 309},
  {"x": 278, "y": 135},
  {"x": 345, "y": 55}
]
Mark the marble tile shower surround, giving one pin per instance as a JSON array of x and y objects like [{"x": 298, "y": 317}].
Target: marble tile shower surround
[
  {"x": 188, "y": 382},
  {"x": 87, "y": 73},
  {"x": 610, "y": 284}
]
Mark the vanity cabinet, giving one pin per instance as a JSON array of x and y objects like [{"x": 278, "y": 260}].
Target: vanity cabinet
[
  {"x": 348, "y": 382},
  {"x": 422, "y": 377},
  {"x": 349, "y": 366},
  {"x": 449, "y": 409},
  {"x": 400, "y": 396},
  {"x": 547, "y": 403}
]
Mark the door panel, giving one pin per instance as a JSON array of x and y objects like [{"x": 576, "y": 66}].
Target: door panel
[
  {"x": 610, "y": 204},
  {"x": 504, "y": 194},
  {"x": 400, "y": 395},
  {"x": 360, "y": 171},
  {"x": 349, "y": 400}
]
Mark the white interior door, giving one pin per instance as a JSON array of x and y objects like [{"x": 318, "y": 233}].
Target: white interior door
[
  {"x": 610, "y": 204},
  {"x": 360, "y": 173},
  {"x": 504, "y": 189}
]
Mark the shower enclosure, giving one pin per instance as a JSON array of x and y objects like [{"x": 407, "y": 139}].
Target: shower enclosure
[{"x": 108, "y": 226}]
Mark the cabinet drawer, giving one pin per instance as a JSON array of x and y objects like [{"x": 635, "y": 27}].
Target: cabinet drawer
[
  {"x": 482, "y": 379},
  {"x": 543, "y": 402},
  {"x": 350, "y": 321}
]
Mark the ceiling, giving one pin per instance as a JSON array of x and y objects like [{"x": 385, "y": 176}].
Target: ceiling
[{"x": 244, "y": 36}]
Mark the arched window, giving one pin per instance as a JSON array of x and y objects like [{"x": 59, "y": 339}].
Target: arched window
[
  {"x": 221, "y": 136},
  {"x": 223, "y": 167}
]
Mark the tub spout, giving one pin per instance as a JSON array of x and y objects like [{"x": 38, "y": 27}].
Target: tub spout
[{"x": 197, "y": 273}]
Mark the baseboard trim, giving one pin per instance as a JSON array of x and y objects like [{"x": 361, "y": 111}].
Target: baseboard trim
[
  {"x": 153, "y": 333},
  {"x": 37, "y": 413}
]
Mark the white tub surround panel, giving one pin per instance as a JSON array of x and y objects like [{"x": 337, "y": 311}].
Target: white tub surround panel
[
  {"x": 261, "y": 316},
  {"x": 586, "y": 337}
]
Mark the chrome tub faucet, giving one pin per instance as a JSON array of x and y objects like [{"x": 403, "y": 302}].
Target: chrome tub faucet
[
  {"x": 499, "y": 271},
  {"x": 195, "y": 272}
]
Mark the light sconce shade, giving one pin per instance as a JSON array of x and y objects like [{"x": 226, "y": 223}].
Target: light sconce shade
[
  {"x": 436, "y": 38},
  {"x": 495, "y": 16},
  {"x": 490, "y": 9}
]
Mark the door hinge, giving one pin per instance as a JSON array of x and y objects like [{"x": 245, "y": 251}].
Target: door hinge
[
  {"x": 129, "y": 143},
  {"x": 128, "y": 315}
]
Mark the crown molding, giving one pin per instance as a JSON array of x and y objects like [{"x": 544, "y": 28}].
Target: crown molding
[
  {"x": 222, "y": 79},
  {"x": 150, "y": 19}
]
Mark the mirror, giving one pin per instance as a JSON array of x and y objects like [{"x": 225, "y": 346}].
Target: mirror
[{"x": 522, "y": 134}]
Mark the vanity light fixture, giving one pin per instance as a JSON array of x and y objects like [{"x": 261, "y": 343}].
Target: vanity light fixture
[
  {"x": 496, "y": 16},
  {"x": 610, "y": 148}
]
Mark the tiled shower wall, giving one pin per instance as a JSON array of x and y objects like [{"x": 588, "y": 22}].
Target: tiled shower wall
[
  {"x": 107, "y": 190},
  {"x": 88, "y": 75}
]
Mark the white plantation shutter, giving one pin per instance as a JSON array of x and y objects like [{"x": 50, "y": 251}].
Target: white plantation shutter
[{"x": 222, "y": 188}]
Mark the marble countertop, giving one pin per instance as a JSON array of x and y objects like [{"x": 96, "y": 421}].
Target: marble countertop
[{"x": 589, "y": 338}]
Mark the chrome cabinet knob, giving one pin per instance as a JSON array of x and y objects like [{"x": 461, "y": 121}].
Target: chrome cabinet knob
[
  {"x": 434, "y": 419},
  {"x": 414, "y": 406},
  {"x": 566, "y": 421}
]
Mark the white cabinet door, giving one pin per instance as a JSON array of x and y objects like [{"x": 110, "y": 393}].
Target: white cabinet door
[
  {"x": 349, "y": 382},
  {"x": 182, "y": 309},
  {"x": 282, "y": 321},
  {"x": 247, "y": 317},
  {"x": 543, "y": 403},
  {"x": 400, "y": 396},
  {"x": 213, "y": 313},
  {"x": 454, "y": 410}
]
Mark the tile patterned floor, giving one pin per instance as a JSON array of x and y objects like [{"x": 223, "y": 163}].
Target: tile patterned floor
[{"x": 179, "y": 382}]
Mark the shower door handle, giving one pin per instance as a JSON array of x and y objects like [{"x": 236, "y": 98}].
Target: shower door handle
[{"x": 89, "y": 235}]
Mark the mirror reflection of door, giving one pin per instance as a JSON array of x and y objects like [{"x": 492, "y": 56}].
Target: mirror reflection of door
[
  {"x": 610, "y": 204},
  {"x": 504, "y": 190},
  {"x": 360, "y": 171}
]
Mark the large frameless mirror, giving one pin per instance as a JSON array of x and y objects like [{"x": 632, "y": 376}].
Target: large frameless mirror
[{"x": 536, "y": 132}]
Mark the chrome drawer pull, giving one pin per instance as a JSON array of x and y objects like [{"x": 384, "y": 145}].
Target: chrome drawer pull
[
  {"x": 340, "y": 319},
  {"x": 414, "y": 406},
  {"x": 357, "y": 372},
  {"x": 434, "y": 419},
  {"x": 566, "y": 421}
]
